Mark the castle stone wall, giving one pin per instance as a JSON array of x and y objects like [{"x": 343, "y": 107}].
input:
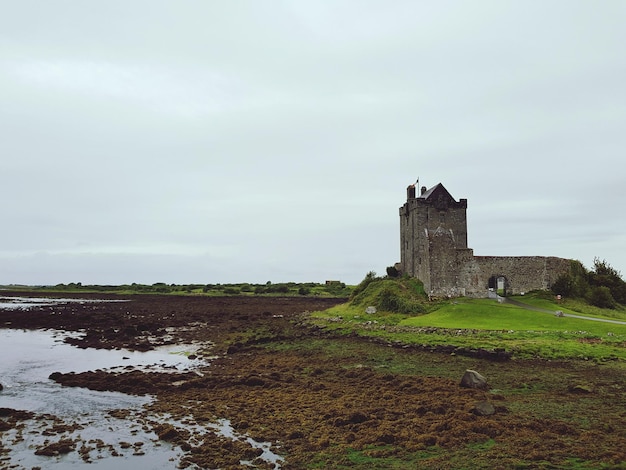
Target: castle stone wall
[
  {"x": 521, "y": 273},
  {"x": 433, "y": 248}
]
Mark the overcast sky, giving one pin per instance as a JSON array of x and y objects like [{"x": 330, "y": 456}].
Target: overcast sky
[{"x": 252, "y": 141}]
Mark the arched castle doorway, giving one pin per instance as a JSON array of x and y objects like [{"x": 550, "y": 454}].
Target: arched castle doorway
[{"x": 498, "y": 284}]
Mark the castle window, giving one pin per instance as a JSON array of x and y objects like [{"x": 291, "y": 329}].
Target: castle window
[{"x": 442, "y": 217}]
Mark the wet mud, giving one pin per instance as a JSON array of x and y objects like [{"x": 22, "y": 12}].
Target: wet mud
[{"x": 323, "y": 401}]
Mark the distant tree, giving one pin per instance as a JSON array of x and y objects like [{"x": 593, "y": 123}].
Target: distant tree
[
  {"x": 605, "y": 275},
  {"x": 601, "y": 297},
  {"x": 160, "y": 287},
  {"x": 602, "y": 268},
  {"x": 281, "y": 288},
  {"x": 575, "y": 283},
  {"x": 602, "y": 286}
]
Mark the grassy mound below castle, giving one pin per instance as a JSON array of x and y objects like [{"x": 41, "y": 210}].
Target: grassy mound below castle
[{"x": 405, "y": 316}]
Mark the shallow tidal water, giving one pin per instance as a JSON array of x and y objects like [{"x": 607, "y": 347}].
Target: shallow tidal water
[
  {"x": 27, "y": 358},
  {"x": 110, "y": 430}
]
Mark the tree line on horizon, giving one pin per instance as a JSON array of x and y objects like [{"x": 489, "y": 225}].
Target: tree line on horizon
[{"x": 329, "y": 288}]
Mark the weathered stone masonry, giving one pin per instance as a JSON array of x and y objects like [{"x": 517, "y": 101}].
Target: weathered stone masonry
[{"x": 433, "y": 248}]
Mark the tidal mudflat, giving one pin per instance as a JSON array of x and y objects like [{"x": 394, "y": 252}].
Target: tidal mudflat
[
  {"x": 78, "y": 375},
  {"x": 272, "y": 391},
  {"x": 84, "y": 421}
]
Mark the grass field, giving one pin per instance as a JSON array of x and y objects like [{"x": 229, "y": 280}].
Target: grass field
[
  {"x": 562, "y": 370},
  {"x": 487, "y": 324},
  {"x": 490, "y": 315}
]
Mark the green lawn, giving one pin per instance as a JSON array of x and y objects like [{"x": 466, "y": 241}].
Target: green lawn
[
  {"x": 487, "y": 314},
  {"x": 486, "y": 324}
]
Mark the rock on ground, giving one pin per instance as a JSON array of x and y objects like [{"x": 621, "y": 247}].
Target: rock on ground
[{"x": 472, "y": 379}]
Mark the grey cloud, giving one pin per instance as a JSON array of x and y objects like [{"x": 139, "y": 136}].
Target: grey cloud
[{"x": 158, "y": 141}]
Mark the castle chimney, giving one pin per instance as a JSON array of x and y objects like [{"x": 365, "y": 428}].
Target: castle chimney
[
  {"x": 410, "y": 192},
  {"x": 423, "y": 190}
]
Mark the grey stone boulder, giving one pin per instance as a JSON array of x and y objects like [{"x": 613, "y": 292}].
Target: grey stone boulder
[
  {"x": 483, "y": 408},
  {"x": 472, "y": 379}
]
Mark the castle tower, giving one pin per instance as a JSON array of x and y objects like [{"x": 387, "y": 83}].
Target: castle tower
[
  {"x": 433, "y": 248},
  {"x": 433, "y": 227}
]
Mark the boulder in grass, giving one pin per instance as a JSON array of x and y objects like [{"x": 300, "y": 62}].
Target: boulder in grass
[
  {"x": 483, "y": 408},
  {"x": 472, "y": 379}
]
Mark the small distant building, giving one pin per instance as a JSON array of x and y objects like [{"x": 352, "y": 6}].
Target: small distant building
[{"x": 433, "y": 248}]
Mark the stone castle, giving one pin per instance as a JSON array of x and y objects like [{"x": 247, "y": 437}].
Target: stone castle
[{"x": 433, "y": 248}]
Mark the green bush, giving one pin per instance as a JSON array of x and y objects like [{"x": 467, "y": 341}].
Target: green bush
[
  {"x": 161, "y": 287},
  {"x": 404, "y": 295},
  {"x": 392, "y": 271},
  {"x": 277, "y": 289},
  {"x": 602, "y": 286},
  {"x": 601, "y": 297},
  {"x": 605, "y": 275},
  {"x": 392, "y": 301}
]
